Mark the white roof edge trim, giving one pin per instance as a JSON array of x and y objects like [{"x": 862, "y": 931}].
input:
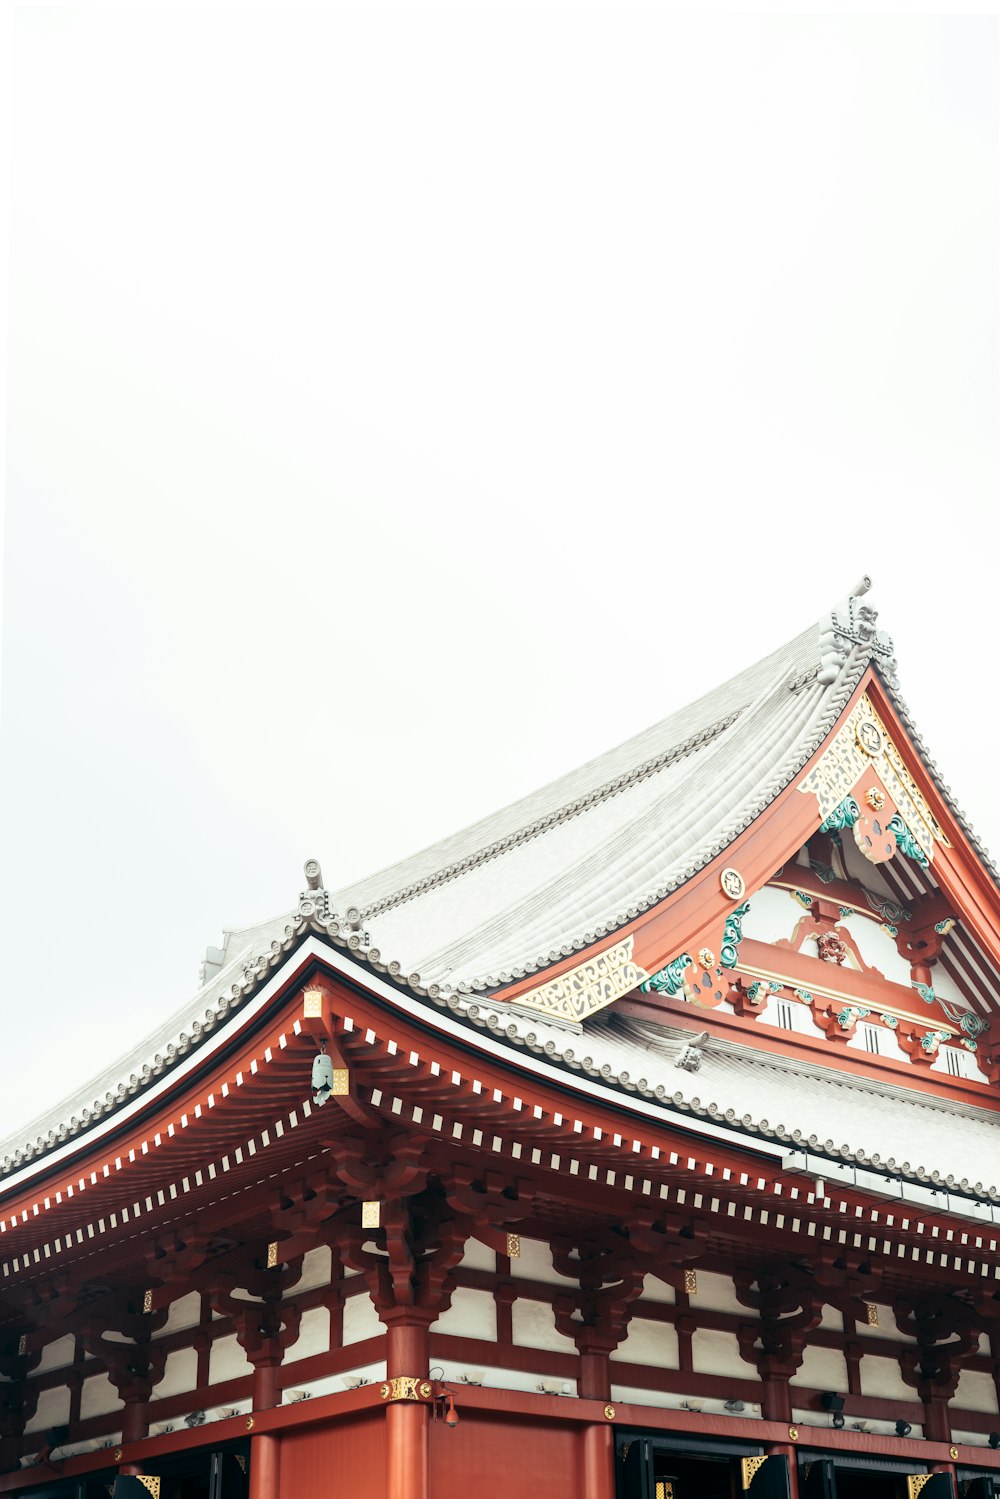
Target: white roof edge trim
[{"x": 196, "y": 1058}]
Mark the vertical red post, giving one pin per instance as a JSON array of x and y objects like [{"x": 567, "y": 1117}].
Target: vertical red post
[
  {"x": 407, "y": 1354},
  {"x": 265, "y": 1456},
  {"x": 265, "y": 1449},
  {"x": 598, "y": 1438},
  {"x": 135, "y": 1426}
]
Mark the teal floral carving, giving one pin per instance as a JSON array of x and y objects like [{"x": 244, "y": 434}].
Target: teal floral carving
[
  {"x": 969, "y": 1045},
  {"x": 972, "y": 1025},
  {"x": 890, "y": 1021},
  {"x": 732, "y": 936},
  {"x": 887, "y": 926},
  {"x": 933, "y": 1040},
  {"x": 669, "y": 980},
  {"x": 804, "y": 995},
  {"x": 945, "y": 926},
  {"x": 844, "y": 816},
  {"x": 760, "y": 989},
  {"x": 905, "y": 841},
  {"x": 852, "y": 1013},
  {"x": 806, "y": 900},
  {"x": 847, "y": 910}
]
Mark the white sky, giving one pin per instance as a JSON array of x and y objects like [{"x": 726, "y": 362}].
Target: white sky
[{"x": 404, "y": 407}]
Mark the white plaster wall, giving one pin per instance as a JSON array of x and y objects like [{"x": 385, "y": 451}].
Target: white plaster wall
[
  {"x": 180, "y": 1373},
  {"x": 53, "y": 1410},
  {"x": 772, "y": 915},
  {"x": 967, "y": 1065},
  {"x": 98, "y": 1397},
  {"x": 803, "y": 1023},
  {"x": 886, "y": 1325},
  {"x": 626, "y": 1394},
  {"x": 227, "y": 1361},
  {"x": 984, "y": 1344},
  {"x": 832, "y": 1318},
  {"x": 649, "y": 1342},
  {"x": 944, "y": 985},
  {"x": 361, "y": 1320},
  {"x": 535, "y": 1263},
  {"x": 877, "y": 948},
  {"x": 976, "y": 1392},
  {"x": 56, "y": 1355},
  {"x": 181, "y": 1314},
  {"x": 822, "y": 1369},
  {"x": 714, "y": 1352},
  {"x": 715, "y": 1293},
  {"x": 314, "y": 1335},
  {"x": 534, "y": 1326},
  {"x": 654, "y": 1289},
  {"x": 478, "y": 1257},
  {"x": 881, "y": 1376},
  {"x": 888, "y": 1044},
  {"x": 472, "y": 1314},
  {"x": 317, "y": 1267}
]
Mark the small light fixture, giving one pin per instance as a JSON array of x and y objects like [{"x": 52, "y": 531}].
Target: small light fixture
[
  {"x": 450, "y": 1413},
  {"x": 692, "y": 1405},
  {"x": 859, "y": 1425},
  {"x": 194, "y": 1418},
  {"x": 838, "y": 1420},
  {"x": 831, "y": 1401},
  {"x": 903, "y": 1428},
  {"x": 994, "y": 1439},
  {"x": 352, "y": 1381},
  {"x": 471, "y": 1376},
  {"x": 734, "y": 1407}
]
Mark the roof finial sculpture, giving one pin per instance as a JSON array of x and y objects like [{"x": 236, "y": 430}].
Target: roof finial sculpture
[
  {"x": 852, "y": 626},
  {"x": 314, "y": 901}
]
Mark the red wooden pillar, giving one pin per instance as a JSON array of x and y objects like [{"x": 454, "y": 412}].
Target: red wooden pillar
[
  {"x": 598, "y": 1438},
  {"x": 265, "y": 1457},
  {"x": 135, "y": 1426},
  {"x": 777, "y": 1449},
  {"x": 265, "y": 1449},
  {"x": 407, "y": 1357}
]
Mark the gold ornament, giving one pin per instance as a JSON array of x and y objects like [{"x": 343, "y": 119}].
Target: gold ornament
[
  {"x": 706, "y": 957},
  {"x": 609, "y": 1413},
  {"x": 733, "y": 884}
]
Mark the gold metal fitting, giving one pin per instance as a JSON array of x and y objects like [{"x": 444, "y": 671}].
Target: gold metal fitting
[
  {"x": 371, "y": 1215},
  {"x": 406, "y": 1387},
  {"x": 706, "y": 957},
  {"x": 272, "y": 1255},
  {"x": 691, "y": 1282},
  {"x": 513, "y": 1246},
  {"x": 609, "y": 1413}
]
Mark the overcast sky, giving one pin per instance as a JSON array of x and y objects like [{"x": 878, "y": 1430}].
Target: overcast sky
[{"x": 405, "y": 407}]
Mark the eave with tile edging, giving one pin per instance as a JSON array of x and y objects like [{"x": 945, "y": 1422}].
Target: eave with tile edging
[{"x": 646, "y": 1151}]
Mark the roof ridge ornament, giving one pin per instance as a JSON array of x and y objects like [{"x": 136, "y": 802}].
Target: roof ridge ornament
[
  {"x": 314, "y": 900},
  {"x": 852, "y": 624}
]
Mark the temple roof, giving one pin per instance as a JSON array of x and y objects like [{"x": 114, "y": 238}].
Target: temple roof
[{"x": 548, "y": 875}]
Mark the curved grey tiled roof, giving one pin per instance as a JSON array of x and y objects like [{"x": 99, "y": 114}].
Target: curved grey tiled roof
[{"x": 546, "y": 876}]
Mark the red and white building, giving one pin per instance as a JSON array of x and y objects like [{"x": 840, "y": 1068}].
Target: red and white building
[{"x": 638, "y": 1141}]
